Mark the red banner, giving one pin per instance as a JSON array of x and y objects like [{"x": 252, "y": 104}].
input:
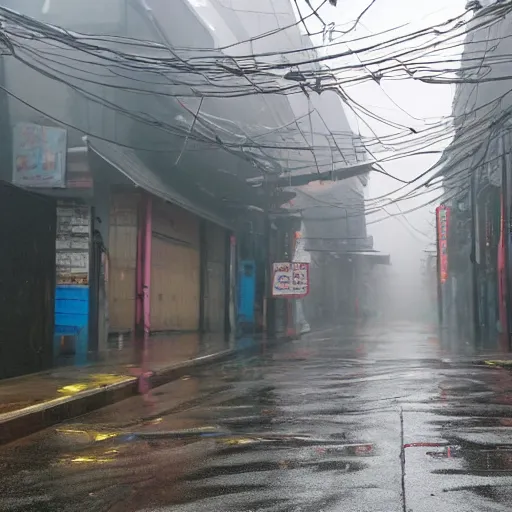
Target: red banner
[{"x": 443, "y": 221}]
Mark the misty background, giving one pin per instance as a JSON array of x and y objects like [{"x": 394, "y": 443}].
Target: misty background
[{"x": 405, "y": 236}]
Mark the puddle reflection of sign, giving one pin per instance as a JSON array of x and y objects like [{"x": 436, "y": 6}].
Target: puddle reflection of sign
[{"x": 290, "y": 280}]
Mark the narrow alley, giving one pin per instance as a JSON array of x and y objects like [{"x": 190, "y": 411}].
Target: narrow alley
[
  {"x": 256, "y": 256},
  {"x": 357, "y": 419}
]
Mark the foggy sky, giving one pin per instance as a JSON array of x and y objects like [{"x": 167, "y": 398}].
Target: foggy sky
[{"x": 405, "y": 239}]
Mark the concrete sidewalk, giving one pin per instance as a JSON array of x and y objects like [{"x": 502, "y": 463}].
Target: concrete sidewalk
[{"x": 34, "y": 402}]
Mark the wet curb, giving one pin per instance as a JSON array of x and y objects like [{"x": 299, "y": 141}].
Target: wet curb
[
  {"x": 18, "y": 424},
  {"x": 176, "y": 371},
  {"x": 494, "y": 363}
]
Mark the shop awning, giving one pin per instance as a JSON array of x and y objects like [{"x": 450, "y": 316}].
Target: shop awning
[
  {"x": 374, "y": 257},
  {"x": 300, "y": 179},
  {"x": 343, "y": 173},
  {"x": 126, "y": 161}
]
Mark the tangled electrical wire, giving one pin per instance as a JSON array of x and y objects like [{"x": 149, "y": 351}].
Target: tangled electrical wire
[{"x": 193, "y": 78}]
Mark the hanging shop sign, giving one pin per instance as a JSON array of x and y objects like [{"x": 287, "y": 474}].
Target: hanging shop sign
[
  {"x": 39, "y": 156},
  {"x": 443, "y": 219},
  {"x": 78, "y": 172},
  {"x": 290, "y": 280}
]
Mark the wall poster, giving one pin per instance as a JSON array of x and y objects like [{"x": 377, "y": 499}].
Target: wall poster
[
  {"x": 290, "y": 280},
  {"x": 39, "y": 156},
  {"x": 72, "y": 244}
]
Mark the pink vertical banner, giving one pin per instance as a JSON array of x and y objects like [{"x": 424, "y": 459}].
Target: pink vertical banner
[
  {"x": 146, "y": 277},
  {"x": 143, "y": 310},
  {"x": 139, "y": 289},
  {"x": 443, "y": 221}
]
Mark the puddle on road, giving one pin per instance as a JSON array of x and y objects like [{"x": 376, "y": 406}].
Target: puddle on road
[
  {"x": 476, "y": 460},
  {"x": 493, "y": 493},
  {"x": 214, "y": 471}
]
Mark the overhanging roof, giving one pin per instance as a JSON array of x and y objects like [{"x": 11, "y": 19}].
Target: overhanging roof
[
  {"x": 375, "y": 257},
  {"x": 297, "y": 180},
  {"x": 126, "y": 161},
  {"x": 338, "y": 174}
]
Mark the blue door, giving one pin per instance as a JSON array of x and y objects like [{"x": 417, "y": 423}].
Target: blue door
[{"x": 246, "y": 295}]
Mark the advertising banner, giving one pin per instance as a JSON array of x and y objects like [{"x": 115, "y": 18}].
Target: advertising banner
[
  {"x": 39, "y": 156},
  {"x": 290, "y": 280},
  {"x": 443, "y": 219}
]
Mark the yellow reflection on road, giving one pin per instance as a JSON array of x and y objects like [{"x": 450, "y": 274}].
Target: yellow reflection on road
[
  {"x": 101, "y": 436},
  {"x": 96, "y": 380},
  {"x": 96, "y": 460},
  {"x": 73, "y": 389},
  {"x": 90, "y": 435},
  {"x": 498, "y": 362}
]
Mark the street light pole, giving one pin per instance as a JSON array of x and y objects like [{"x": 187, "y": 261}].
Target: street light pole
[
  {"x": 267, "y": 259},
  {"x": 506, "y": 236},
  {"x": 440, "y": 316}
]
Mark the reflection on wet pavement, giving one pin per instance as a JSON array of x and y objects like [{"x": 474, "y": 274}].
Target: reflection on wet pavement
[{"x": 312, "y": 426}]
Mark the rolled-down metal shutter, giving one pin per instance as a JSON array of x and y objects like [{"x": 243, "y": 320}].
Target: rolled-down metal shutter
[
  {"x": 215, "y": 282},
  {"x": 123, "y": 257},
  {"x": 175, "y": 272}
]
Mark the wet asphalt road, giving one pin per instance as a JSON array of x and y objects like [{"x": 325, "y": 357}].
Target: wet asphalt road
[{"x": 370, "y": 420}]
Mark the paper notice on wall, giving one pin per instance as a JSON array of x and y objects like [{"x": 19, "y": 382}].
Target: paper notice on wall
[{"x": 73, "y": 243}]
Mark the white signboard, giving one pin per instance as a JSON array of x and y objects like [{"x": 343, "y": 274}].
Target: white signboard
[
  {"x": 290, "y": 280},
  {"x": 72, "y": 243}
]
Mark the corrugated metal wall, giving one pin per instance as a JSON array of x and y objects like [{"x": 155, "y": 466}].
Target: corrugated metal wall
[
  {"x": 215, "y": 279},
  {"x": 175, "y": 273},
  {"x": 175, "y": 268},
  {"x": 123, "y": 257}
]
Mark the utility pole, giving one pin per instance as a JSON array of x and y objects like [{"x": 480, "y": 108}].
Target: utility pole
[
  {"x": 506, "y": 235},
  {"x": 440, "y": 301},
  {"x": 268, "y": 262}
]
